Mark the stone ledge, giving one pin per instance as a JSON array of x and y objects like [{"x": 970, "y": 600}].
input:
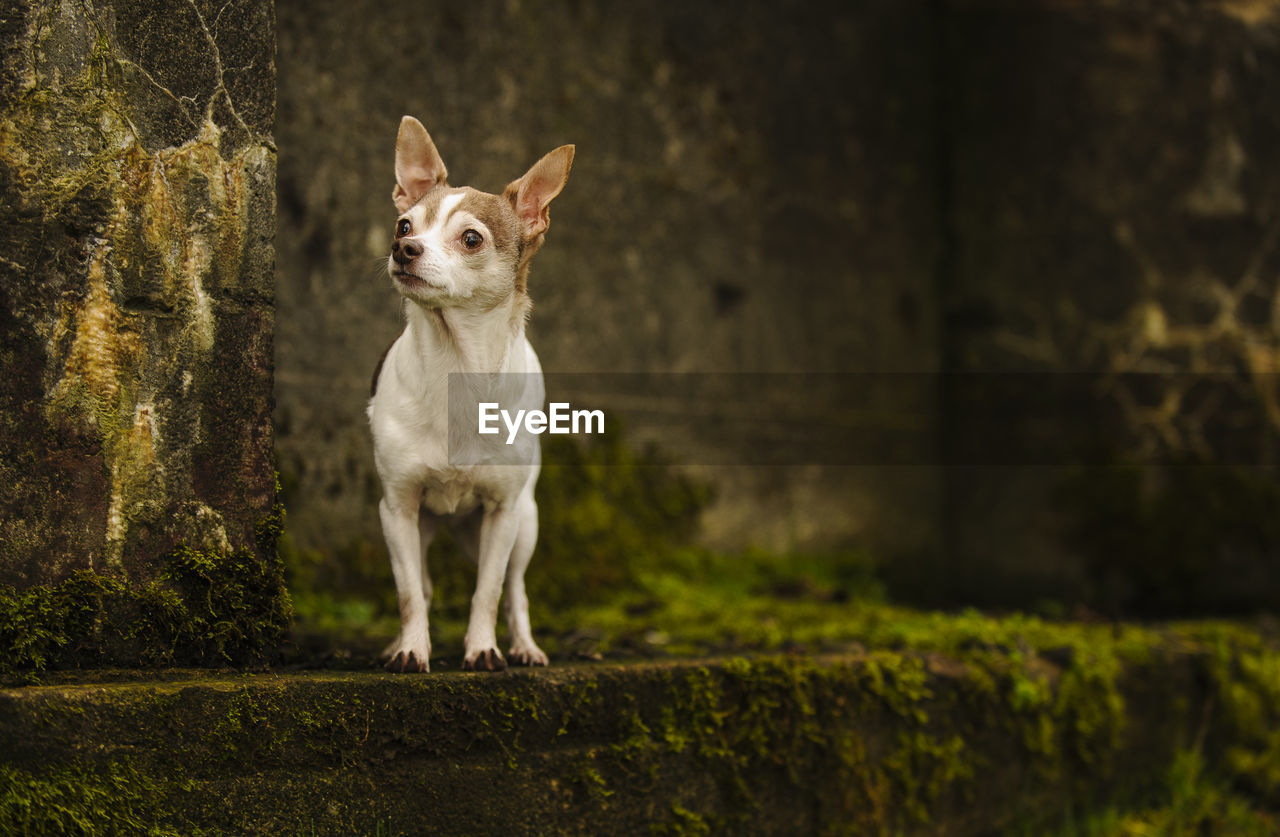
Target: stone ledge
[{"x": 882, "y": 741}]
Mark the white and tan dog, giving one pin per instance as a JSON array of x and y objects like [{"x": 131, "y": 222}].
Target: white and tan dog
[{"x": 461, "y": 260}]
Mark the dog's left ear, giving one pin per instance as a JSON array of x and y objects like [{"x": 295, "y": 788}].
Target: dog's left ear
[
  {"x": 532, "y": 194},
  {"x": 419, "y": 168}
]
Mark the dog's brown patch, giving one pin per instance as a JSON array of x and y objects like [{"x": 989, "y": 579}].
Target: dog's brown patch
[
  {"x": 430, "y": 203},
  {"x": 496, "y": 214}
]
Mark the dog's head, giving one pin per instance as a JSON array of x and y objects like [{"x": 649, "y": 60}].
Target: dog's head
[{"x": 460, "y": 246}]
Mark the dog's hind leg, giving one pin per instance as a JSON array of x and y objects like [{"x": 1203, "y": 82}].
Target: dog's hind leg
[{"x": 524, "y": 651}]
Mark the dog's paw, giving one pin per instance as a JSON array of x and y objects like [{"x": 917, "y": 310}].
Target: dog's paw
[
  {"x": 486, "y": 660},
  {"x": 408, "y": 662},
  {"x": 527, "y": 655}
]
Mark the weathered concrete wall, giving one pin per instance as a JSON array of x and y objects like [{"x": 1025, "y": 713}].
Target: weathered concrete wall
[
  {"x": 137, "y": 203},
  {"x": 1070, "y": 210},
  {"x": 1112, "y": 294},
  {"x": 753, "y": 191}
]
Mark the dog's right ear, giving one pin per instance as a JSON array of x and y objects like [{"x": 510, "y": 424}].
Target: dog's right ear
[{"x": 419, "y": 168}]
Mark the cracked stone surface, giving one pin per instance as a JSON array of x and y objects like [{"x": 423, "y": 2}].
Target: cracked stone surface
[{"x": 137, "y": 212}]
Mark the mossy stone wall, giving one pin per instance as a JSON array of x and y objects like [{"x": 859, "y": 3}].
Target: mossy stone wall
[{"x": 137, "y": 215}]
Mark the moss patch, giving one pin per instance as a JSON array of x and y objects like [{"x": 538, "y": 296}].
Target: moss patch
[
  {"x": 1192, "y": 801},
  {"x": 116, "y": 799},
  {"x": 200, "y": 609}
]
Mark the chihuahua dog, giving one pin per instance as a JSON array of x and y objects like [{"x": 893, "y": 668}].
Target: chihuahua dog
[{"x": 460, "y": 259}]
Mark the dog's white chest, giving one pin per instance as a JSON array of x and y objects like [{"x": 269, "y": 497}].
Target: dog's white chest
[{"x": 409, "y": 414}]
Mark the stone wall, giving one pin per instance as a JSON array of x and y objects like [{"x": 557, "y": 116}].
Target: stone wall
[
  {"x": 1112, "y": 303},
  {"x": 753, "y": 192},
  {"x": 137, "y": 204},
  {"x": 1002, "y": 192},
  {"x": 1066, "y": 210}
]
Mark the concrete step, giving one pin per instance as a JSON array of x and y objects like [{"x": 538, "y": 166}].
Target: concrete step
[{"x": 870, "y": 742}]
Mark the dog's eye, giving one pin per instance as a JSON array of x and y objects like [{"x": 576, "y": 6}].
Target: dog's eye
[
  {"x": 472, "y": 239},
  {"x": 402, "y": 227}
]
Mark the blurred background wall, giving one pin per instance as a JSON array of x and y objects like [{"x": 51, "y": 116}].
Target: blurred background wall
[
  {"x": 1110, "y": 303},
  {"x": 754, "y": 191},
  {"x": 1037, "y": 240}
]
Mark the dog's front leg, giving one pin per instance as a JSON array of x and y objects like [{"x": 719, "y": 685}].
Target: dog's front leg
[
  {"x": 400, "y": 521},
  {"x": 497, "y": 536}
]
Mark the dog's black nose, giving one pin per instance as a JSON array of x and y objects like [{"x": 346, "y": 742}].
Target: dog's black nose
[{"x": 405, "y": 251}]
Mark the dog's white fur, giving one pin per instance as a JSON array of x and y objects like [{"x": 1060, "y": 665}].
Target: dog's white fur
[{"x": 465, "y": 309}]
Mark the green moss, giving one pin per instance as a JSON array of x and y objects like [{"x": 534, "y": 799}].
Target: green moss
[
  {"x": 1246, "y": 681},
  {"x": 798, "y": 722},
  {"x": 590, "y": 780},
  {"x": 200, "y": 609},
  {"x": 1191, "y": 802},
  {"x": 131, "y": 243},
  {"x": 1055, "y": 688},
  {"x": 684, "y": 823},
  {"x": 1091, "y": 710},
  {"x": 79, "y": 799},
  {"x": 924, "y": 767}
]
